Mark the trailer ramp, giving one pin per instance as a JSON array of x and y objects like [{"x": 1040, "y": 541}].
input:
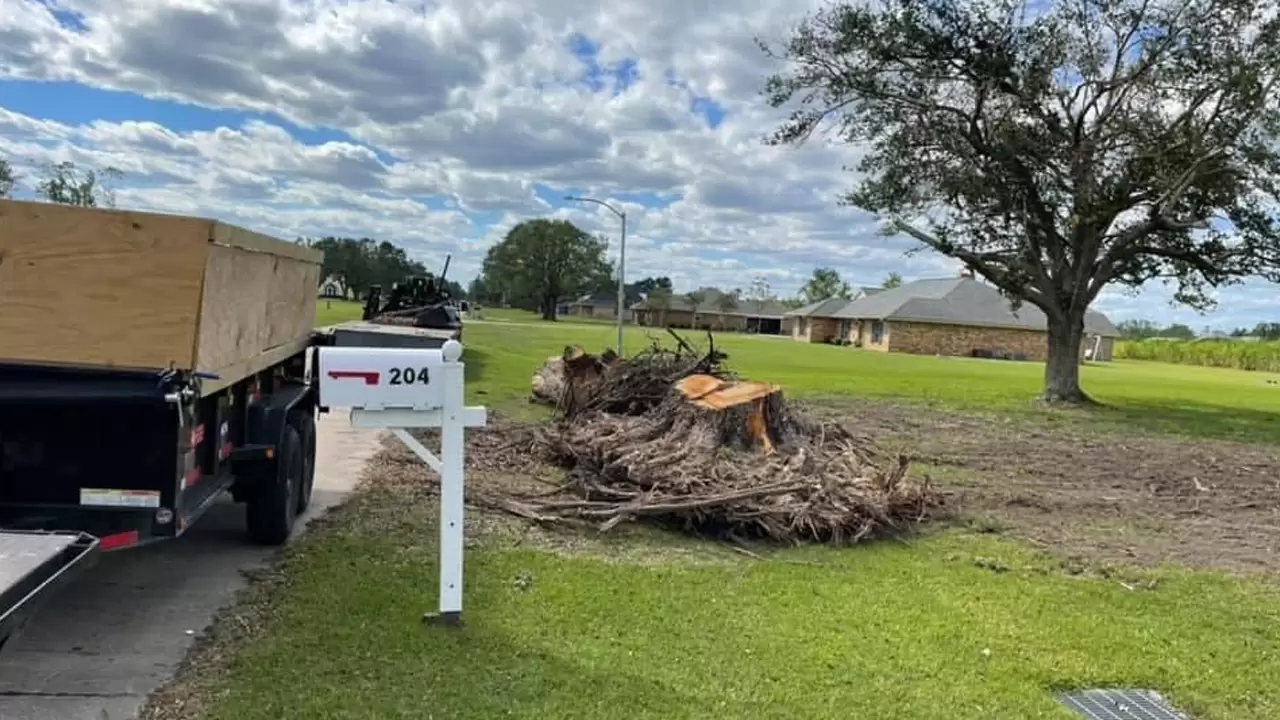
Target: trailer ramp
[{"x": 32, "y": 566}]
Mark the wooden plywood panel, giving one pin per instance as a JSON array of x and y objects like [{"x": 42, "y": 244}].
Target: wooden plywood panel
[
  {"x": 259, "y": 294},
  {"x": 233, "y": 319},
  {"x": 99, "y": 287},
  {"x": 291, "y": 312}
]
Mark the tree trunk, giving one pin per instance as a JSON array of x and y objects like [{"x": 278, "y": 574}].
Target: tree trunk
[
  {"x": 1062, "y": 371},
  {"x": 548, "y": 308}
]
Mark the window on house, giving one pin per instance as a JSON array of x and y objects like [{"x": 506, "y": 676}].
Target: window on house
[{"x": 877, "y": 332}]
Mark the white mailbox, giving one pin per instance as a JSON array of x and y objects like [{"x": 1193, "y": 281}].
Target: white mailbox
[
  {"x": 399, "y": 388},
  {"x": 378, "y": 378}
]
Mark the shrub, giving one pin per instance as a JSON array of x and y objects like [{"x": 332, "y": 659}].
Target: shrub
[{"x": 1263, "y": 356}]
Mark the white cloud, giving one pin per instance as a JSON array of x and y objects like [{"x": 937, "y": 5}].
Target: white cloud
[{"x": 450, "y": 114}]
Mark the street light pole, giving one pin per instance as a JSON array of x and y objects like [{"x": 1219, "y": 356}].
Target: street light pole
[{"x": 622, "y": 260}]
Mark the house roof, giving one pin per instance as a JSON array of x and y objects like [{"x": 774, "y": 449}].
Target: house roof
[
  {"x": 597, "y": 300},
  {"x": 711, "y": 305},
  {"x": 822, "y": 308},
  {"x": 958, "y": 301},
  {"x": 827, "y": 308}
]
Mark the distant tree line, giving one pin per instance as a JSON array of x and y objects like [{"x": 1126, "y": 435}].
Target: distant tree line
[
  {"x": 361, "y": 263},
  {"x": 1146, "y": 329},
  {"x": 1265, "y": 330}
]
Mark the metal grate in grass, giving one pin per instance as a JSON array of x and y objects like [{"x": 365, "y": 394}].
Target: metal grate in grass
[{"x": 1121, "y": 705}]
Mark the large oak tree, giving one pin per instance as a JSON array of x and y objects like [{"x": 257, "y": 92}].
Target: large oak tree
[
  {"x": 1056, "y": 147},
  {"x": 541, "y": 262}
]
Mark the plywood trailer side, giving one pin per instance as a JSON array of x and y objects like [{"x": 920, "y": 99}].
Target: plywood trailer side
[
  {"x": 259, "y": 295},
  {"x": 87, "y": 286},
  {"x": 84, "y": 286}
]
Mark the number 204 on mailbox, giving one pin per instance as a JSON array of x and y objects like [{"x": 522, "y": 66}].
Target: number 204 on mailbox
[{"x": 382, "y": 378}]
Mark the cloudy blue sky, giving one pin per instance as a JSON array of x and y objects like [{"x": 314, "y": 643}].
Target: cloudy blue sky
[{"x": 439, "y": 125}]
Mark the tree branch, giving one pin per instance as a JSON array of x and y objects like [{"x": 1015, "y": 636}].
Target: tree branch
[{"x": 981, "y": 262}]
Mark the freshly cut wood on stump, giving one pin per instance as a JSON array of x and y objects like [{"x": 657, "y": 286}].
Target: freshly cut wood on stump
[
  {"x": 743, "y": 407},
  {"x": 658, "y": 438}
]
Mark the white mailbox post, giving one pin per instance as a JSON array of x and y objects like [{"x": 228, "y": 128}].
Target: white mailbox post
[{"x": 402, "y": 388}]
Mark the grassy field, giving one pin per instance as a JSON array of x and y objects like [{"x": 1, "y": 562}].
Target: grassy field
[
  {"x": 956, "y": 626},
  {"x": 956, "y": 623},
  {"x": 505, "y": 348},
  {"x": 1194, "y": 401}
]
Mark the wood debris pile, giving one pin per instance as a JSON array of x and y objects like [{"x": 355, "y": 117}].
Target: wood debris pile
[{"x": 670, "y": 436}]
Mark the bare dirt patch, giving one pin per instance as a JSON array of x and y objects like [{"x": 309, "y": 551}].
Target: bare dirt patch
[
  {"x": 1073, "y": 490},
  {"x": 1141, "y": 498}
]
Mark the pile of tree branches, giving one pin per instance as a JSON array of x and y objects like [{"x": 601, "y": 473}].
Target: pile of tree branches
[{"x": 636, "y": 447}]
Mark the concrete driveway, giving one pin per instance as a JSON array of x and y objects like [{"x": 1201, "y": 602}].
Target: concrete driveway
[{"x": 98, "y": 649}]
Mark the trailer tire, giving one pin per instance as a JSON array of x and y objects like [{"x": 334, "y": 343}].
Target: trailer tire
[
  {"x": 273, "y": 506},
  {"x": 305, "y": 422}
]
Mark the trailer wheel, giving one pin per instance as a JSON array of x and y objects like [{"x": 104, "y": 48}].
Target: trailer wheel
[
  {"x": 305, "y": 422},
  {"x": 273, "y": 506}
]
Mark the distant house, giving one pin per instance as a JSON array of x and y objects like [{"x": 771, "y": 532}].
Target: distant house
[
  {"x": 817, "y": 322},
  {"x": 951, "y": 316},
  {"x": 712, "y": 313},
  {"x": 334, "y": 288},
  {"x": 601, "y": 304}
]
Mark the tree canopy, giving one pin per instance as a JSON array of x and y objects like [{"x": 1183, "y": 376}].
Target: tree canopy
[
  {"x": 541, "y": 262},
  {"x": 643, "y": 288},
  {"x": 1145, "y": 329},
  {"x": 825, "y": 283},
  {"x": 7, "y": 178},
  {"x": 70, "y": 185},
  {"x": 1058, "y": 147},
  {"x": 892, "y": 280},
  {"x": 365, "y": 262}
]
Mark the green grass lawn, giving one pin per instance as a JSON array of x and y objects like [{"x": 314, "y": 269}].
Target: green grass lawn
[
  {"x": 952, "y": 625},
  {"x": 504, "y": 350},
  {"x": 1195, "y": 401},
  {"x": 330, "y": 312}
]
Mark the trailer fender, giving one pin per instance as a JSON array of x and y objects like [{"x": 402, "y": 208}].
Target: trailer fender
[{"x": 267, "y": 421}]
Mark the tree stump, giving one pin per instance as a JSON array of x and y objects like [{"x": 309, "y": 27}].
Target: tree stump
[{"x": 739, "y": 414}]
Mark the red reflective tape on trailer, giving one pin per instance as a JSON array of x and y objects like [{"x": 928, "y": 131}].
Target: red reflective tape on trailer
[
  {"x": 193, "y": 476},
  {"x": 370, "y": 377},
  {"x": 197, "y": 434},
  {"x": 118, "y": 541}
]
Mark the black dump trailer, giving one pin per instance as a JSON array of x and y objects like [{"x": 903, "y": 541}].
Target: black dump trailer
[
  {"x": 97, "y": 459},
  {"x": 149, "y": 364}
]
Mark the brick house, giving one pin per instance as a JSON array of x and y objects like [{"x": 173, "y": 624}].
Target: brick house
[
  {"x": 742, "y": 315},
  {"x": 951, "y": 316},
  {"x": 599, "y": 305},
  {"x": 817, "y": 322}
]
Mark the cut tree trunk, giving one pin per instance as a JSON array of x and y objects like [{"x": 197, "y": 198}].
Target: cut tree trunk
[
  {"x": 1062, "y": 370},
  {"x": 744, "y": 415}
]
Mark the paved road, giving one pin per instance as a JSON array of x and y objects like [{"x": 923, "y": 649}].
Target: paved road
[{"x": 101, "y": 646}]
